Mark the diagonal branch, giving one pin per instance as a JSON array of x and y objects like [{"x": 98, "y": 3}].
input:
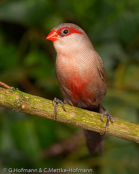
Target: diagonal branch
[{"x": 34, "y": 105}]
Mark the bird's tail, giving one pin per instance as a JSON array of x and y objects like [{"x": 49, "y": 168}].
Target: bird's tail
[{"x": 94, "y": 140}]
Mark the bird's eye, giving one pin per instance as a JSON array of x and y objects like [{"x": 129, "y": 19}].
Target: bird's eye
[{"x": 65, "y": 32}]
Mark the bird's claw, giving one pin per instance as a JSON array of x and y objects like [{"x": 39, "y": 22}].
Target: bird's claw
[
  {"x": 109, "y": 118},
  {"x": 56, "y": 101}
]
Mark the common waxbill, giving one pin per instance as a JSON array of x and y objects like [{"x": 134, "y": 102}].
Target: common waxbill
[{"x": 80, "y": 74}]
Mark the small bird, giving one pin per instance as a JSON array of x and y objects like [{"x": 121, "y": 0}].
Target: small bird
[{"x": 80, "y": 74}]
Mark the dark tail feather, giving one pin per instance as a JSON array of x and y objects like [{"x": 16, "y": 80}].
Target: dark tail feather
[{"x": 94, "y": 141}]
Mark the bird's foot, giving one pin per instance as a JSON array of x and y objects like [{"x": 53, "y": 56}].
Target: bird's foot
[
  {"x": 109, "y": 117},
  {"x": 55, "y": 104}
]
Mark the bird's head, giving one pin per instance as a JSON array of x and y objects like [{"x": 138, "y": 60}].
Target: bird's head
[{"x": 68, "y": 37}]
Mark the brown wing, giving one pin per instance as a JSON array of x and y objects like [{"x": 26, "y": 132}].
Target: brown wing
[
  {"x": 101, "y": 74},
  {"x": 101, "y": 69}
]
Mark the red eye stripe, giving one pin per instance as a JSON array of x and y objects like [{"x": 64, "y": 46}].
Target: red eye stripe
[{"x": 72, "y": 30}]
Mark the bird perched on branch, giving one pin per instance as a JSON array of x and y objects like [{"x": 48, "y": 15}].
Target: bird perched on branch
[{"x": 80, "y": 74}]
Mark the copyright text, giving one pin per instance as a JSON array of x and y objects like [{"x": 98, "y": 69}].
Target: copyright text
[{"x": 46, "y": 170}]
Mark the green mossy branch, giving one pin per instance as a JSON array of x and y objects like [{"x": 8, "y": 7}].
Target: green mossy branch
[{"x": 22, "y": 102}]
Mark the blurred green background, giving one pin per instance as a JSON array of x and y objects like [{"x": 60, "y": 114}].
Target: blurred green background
[{"x": 27, "y": 62}]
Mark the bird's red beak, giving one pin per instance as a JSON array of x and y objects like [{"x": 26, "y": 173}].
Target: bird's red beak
[{"x": 53, "y": 36}]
